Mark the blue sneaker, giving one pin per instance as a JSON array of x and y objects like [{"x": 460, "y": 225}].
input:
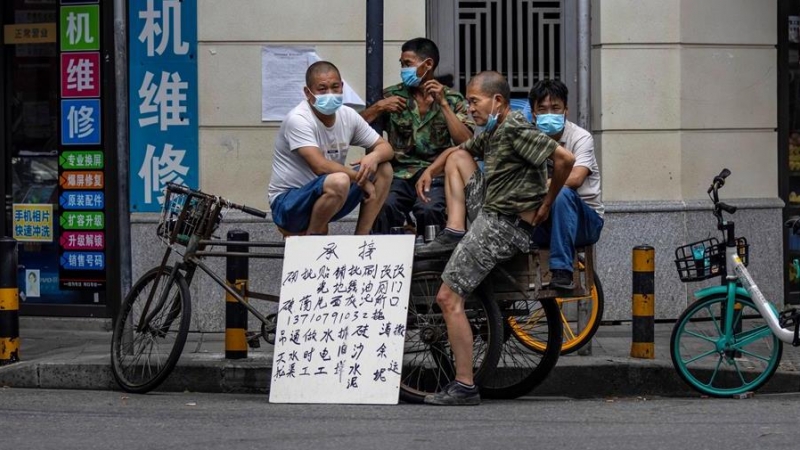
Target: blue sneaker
[{"x": 455, "y": 394}]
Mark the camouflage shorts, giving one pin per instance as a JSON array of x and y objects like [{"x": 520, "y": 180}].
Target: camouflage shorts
[
  {"x": 489, "y": 241},
  {"x": 475, "y": 193}
]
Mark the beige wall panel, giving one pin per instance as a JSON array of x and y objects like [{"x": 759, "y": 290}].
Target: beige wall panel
[
  {"x": 403, "y": 20},
  {"x": 750, "y": 155},
  {"x": 728, "y": 21},
  {"x": 640, "y": 166},
  {"x": 640, "y": 89},
  {"x": 304, "y": 20},
  {"x": 230, "y": 78},
  {"x": 636, "y": 21},
  {"x": 281, "y": 20},
  {"x": 596, "y": 104},
  {"x": 236, "y": 163},
  {"x": 729, "y": 87}
]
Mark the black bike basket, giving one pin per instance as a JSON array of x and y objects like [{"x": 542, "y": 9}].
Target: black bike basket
[{"x": 705, "y": 259}]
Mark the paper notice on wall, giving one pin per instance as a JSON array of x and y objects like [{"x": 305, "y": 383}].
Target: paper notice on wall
[
  {"x": 283, "y": 72},
  {"x": 341, "y": 319}
]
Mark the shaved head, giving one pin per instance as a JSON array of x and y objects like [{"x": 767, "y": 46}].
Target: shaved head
[
  {"x": 491, "y": 83},
  {"x": 319, "y": 68}
]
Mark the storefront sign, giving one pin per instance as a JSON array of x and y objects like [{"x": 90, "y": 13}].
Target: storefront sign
[
  {"x": 33, "y": 222},
  {"x": 80, "y": 28},
  {"x": 163, "y": 99},
  {"x": 94, "y": 200},
  {"x": 83, "y": 261},
  {"x": 83, "y": 220},
  {"x": 81, "y": 178},
  {"x": 81, "y": 160},
  {"x": 29, "y": 33},
  {"x": 80, "y": 122},
  {"x": 80, "y": 75},
  {"x": 83, "y": 240}
]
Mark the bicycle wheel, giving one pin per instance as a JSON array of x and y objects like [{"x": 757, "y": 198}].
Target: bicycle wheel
[
  {"x": 575, "y": 335},
  {"x": 428, "y": 360},
  {"x": 141, "y": 358},
  {"x": 710, "y": 364},
  {"x": 521, "y": 368}
]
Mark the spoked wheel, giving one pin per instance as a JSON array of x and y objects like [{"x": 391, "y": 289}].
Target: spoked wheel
[
  {"x": 576, "y": 333},
  {"x": 428, "y": 360},
  {"x": 520, "y": 368},
  {"x": 711, "y": 364},
  {"x": 142, "y": 357}
]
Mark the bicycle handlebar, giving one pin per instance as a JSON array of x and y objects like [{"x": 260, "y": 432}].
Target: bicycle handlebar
[
  {"x": 730, "y": 209},
  {"x": 189, "y": 191},
  {"x": 719, "y": 180}
]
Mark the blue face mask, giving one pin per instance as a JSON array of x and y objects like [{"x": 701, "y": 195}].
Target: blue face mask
[
  {"x": 491, "y": 122},
  {"x": 550, "y": 124},
  {"x": 409, "y": 76},
  {"x": 327, "y": 104}
]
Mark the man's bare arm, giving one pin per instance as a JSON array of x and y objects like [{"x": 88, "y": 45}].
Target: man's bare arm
[
  {"x": 562, "y": 166},
  {"x": 576, "y": 177}
]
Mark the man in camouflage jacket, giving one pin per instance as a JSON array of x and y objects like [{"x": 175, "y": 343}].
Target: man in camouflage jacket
[{"x": 422, "y": 118}]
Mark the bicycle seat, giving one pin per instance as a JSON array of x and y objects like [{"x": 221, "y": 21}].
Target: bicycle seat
[{"x": 794, "y": 224}]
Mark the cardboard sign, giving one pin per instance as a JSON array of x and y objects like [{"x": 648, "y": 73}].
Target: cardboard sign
[{"x": 342, "y": 319}]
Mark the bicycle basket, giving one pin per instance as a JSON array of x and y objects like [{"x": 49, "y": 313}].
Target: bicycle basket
[
  {"x": 186, "y": 213},
  {"x": 705, "y": 259}
]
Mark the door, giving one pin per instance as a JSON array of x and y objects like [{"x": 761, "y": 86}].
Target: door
[
  {"x": 789, "y": 135},
  {"x": 525, "y": 40},
  {"x": 37, "y": 70}
]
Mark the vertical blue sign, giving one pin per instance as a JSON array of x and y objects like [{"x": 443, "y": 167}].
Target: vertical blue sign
[{"x": 163, "y": 99}]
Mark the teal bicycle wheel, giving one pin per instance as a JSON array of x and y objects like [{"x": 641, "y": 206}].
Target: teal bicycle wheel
[{"x": 714, "y": 365}]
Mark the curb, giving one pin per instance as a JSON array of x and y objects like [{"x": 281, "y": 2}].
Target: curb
[{"x": 211, "y": 373}]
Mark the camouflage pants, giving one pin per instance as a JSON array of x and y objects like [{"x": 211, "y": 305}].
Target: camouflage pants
[{"x": 489, "y": 241}]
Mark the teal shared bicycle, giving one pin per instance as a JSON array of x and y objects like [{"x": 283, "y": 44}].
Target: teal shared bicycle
[{"x": 730, "y": 340}]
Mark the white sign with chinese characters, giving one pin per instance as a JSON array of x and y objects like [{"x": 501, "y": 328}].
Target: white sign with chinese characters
[{"x": 342, "y": 319}]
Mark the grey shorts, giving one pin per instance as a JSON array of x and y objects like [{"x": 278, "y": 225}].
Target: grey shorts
[{"x": 489, "y": 241}]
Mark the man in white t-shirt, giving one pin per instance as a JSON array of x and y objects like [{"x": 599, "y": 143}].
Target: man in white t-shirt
[
  {"x": 576, "y": 217},
  {"x": 311, "y": 186}
]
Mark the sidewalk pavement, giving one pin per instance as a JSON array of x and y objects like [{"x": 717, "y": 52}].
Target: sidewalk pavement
[{"x": 71, "y": 354}]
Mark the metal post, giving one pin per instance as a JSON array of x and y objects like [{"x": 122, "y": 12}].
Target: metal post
[
  {"x": 9, "y": 302},
  {"x": 123, "y": 150},
  {"x": 584, "y": 63},
  {"x": 374, "y": 46},
  {"x": 584, "y": 313},
  {"x": 7, "y": 220},
  {"x": 644, "y": 303},
  {"x": 237, "y": 273}
]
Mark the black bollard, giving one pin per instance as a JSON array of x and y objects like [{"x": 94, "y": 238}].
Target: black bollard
[
  {"x": 237, "y": 273},
  {"x": 9, "y": 302}
]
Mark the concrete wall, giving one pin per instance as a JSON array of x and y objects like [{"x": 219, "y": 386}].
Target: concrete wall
[{"x": 681, "y": 89}]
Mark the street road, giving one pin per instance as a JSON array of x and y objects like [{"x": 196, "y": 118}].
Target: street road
[{"x": 63, "y": 419}]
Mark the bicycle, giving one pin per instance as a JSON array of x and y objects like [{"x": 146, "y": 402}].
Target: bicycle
[
  {"x": 514, "y": 291},
  {"x": 581, "y": 310},
  {"x": 153, "y": 323},
  {"x": 730, "y": 340}
]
